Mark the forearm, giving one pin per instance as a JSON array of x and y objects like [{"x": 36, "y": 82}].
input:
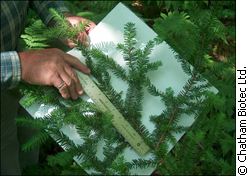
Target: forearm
[
  {"x": 10, "y": 70},
  {"x": 42, "y": 9}
]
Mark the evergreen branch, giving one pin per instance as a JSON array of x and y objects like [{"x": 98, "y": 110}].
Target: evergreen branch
[
  {"x": 131, "y": 88},
  {"x": 109, "y": 63},
  {"x": 136, "y": 126},
  {"x": 88, "y": 151},
  {"x": 121, "y": 108},
  {"x": 120, "y": 166},
  {"x": 61, "y": 158},
  {"x": 111, "y": 153},
  {"x": 110, "y": 94},
  {"x": 38, "y": 139},
  {"x": 28, "y": 122},
  {"x": 142, "y": 163},
  {"x": 97, "y": 165},
  {"x": 187, "y": 90}
]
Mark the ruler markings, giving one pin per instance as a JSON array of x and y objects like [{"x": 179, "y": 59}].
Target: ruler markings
[{"x": 124, "y": 128}]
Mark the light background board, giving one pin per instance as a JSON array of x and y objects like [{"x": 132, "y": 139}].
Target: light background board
[{"x": 111, "y": 29}]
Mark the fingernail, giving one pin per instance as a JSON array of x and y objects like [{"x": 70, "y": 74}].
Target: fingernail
[
  {"x": 86, "y": 43},
  {"x": 80, "y": 92}
]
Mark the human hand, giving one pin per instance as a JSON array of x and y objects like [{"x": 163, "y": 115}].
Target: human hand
[
  {"x": 74, "y": 20},
  {"x": 52, "y": 67}
]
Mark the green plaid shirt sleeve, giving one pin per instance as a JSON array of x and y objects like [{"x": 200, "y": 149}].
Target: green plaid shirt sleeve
[
  {"x": 10, "y": 69},
  {"x": 13, "y": 20},
  {"x": 42, "y": 9}
]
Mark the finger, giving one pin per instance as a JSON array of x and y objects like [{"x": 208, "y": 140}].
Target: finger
[
  {"x": 68, "y": 43},
  {"x": 78, "y": 86},
  {"x": 83, "y": 38},
  {"x": 68, "y": 80},
  {"x": 91, "y": 26},
  {"x": 76, "y": 63},
  {"x": 63, "y": 89}
]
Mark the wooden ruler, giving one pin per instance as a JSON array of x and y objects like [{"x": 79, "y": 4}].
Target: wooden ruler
[{"x": 124, "y": 128}]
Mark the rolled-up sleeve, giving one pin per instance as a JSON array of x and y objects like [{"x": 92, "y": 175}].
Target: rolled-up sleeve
[
  {"x": 10, "y": 70},
  {"x": 42, "y": 9}
]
